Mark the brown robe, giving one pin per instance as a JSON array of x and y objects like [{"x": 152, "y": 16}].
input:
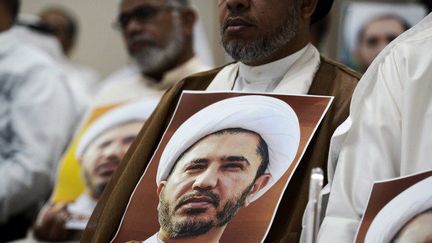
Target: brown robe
[{"x": 331, "y": 79}]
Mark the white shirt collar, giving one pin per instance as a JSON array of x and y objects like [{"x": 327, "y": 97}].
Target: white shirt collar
[
  {"x": 296, "y": 78},
  {"x": 270, "y": 71}
]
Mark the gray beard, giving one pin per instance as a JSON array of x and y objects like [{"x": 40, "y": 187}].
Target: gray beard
[
  {"x": 189, "y": 228},
  {"x": 156, "y": 59},
  {"x": 253, "y": 50}
]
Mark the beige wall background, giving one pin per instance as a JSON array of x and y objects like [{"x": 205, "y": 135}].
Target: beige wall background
[{"x": 100, "y": 46}]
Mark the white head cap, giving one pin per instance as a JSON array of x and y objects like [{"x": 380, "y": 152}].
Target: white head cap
[
  {"x": 274, "y": 120},
  {"x": 401, "y": 209},
  {"x": 136, "y": 111}
]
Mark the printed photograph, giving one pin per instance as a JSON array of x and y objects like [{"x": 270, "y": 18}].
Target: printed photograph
[
  {"x": 399, "y": 210},
  {"x": 368, "y": 27},
  {"x": 89, "y": 163},
  {"x": 221, "y": 167}
]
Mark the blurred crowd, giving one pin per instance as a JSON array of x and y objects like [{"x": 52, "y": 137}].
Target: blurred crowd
[{"x": 47, "y": 100}]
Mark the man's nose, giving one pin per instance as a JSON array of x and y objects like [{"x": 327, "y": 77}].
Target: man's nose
[
  {"x": 236, "y": 6},
  {"x": 132, "y": 26},
  {"x": 114, "y": 150},
  {"x": 206, "y": 180}
]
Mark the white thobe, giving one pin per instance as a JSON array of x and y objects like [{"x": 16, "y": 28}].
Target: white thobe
[
  {"x": 391, "y": 115},
  {"x": 133, "y": 85},
  {"x": 37, "y": 117},
  {"x": 82, "y": 80},
  {"x": 290, "y": 75}
]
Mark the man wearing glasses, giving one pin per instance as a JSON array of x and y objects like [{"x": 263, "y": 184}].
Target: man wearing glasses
[{"x": 159, "y": 39}]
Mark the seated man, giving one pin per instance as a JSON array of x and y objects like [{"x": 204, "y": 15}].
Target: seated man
[
  {"x": 269, "y": 39},
  {"x": 37, "y": 118},
  {"x": 99, "y": 153},
  {"x": 389, "y": 132},
  {"x": 159, "y": 39}
]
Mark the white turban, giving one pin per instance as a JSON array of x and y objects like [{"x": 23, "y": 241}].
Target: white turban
[
  {"x": 274, "y": 120},
  {"x": 401, "y": 209},
  {"x": 136, "y": 111}
]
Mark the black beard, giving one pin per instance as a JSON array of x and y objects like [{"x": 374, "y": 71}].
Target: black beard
[
  {"x": 252, "y": 50},
  {"x": 190, "y": 228}
]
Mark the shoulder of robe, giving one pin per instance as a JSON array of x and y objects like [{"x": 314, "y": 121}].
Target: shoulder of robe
[
  {"x": 334, "y": 79},
  {"x": 341, "y": 68},
  {"x": 200, "y": 81}
]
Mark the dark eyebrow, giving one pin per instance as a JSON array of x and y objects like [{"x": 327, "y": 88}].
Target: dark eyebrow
[
  {"x": 197, "y": 161},
  {"x": 234, "y": 158}
]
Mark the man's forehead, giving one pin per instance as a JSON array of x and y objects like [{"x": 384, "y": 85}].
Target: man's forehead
[
  {"x": 128, "y": 5},
  {"x": 119, "y": 131}
]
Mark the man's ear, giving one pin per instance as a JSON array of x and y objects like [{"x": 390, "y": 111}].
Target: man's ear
[
  {"x": 260, "y": 182},
  {"x": 160, "y": 187},
  {"x": 188, "y": 17},
  {"x": 307, "y": 8}
]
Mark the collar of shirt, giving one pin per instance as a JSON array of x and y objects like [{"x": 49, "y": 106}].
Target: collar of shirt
[
  {"x": 265, "y": 77},
  {"x": 297, "y": 78}
]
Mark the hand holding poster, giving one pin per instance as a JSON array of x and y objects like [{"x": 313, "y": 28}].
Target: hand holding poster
[{"x": 221, "y": 167}]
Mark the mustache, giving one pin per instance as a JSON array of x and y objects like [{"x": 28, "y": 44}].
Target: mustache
[
  {"x": 209, "y": 196},
  {"x": 111, "y": 161},
  {"x": 237, "y": 18},
  {"x": 140, "y": 39}
]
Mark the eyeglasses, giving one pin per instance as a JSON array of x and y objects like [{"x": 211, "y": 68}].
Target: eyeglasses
[{"x": 142, "y": 14}]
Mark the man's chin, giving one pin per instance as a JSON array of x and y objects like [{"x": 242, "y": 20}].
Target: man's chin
[{"x": 191, "y": 227}]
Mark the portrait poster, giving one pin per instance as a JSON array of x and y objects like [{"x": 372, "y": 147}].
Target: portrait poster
[
  {"x": 355, "y": 15},
  {"x": 202, "y": 116},
  {"x": 388, "y": 192},
  {"x": 99, "y": 122}
]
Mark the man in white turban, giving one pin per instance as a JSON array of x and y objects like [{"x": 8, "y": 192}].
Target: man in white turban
[
  {"x": 406, "y": 218},
  {"x": 99, "y": 153},
  {"x": 222, "y": 158}
]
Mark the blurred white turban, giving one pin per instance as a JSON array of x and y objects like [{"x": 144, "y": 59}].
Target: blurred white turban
[
  {"x": 274, "y": 120},
  {"x": 401, "y": 209},
  {"x": 135, "y": 111}
]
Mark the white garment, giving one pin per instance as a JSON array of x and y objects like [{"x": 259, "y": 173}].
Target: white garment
[
  {"x": 391, "y": 115},
  {"x": 82, "y": 206},
  {"x": 37, "y": 117},
  {"x": 291, "y": 75},
  {"x": 153, "y": 239},
  {"x": 265, "y": 77},
  {"x": 82, "y": 81},
  {"x": 133, "y": 85}
]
